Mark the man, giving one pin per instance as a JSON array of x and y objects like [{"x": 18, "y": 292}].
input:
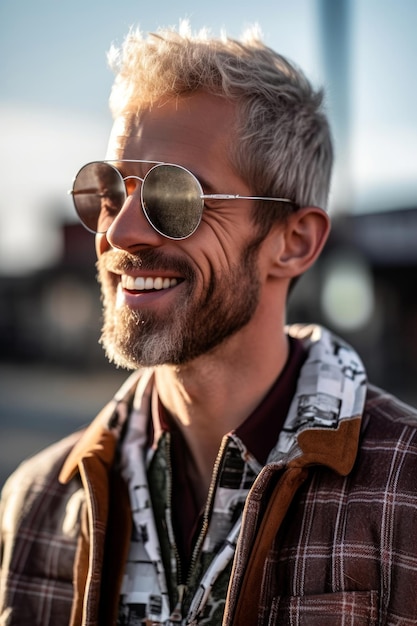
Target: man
[{"x": 246, "y": 473}]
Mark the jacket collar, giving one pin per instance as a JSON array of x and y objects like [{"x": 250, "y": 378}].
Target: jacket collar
[
  {"x": 100, "y": 438},
  {"x": 322, "y": 426},
  {"x": 324, "y": 420}
]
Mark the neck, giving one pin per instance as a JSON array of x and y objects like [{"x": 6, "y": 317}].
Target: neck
[{"x": 215, "y": 393}]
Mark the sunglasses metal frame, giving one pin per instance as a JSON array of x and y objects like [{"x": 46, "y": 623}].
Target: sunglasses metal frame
[{"x": 202, "y": 196}]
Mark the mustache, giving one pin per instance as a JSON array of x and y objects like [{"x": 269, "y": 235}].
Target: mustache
[{"x": 115, "y": 262}]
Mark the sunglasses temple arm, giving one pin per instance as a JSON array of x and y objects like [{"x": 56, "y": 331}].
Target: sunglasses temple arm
[{"x": 222, "y": 196}]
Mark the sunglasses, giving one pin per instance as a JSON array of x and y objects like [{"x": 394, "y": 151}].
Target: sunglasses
[{"x": 172, "y": 198}]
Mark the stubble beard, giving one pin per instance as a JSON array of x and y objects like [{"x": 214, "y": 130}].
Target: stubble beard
[{"x": 196, "y": 325}]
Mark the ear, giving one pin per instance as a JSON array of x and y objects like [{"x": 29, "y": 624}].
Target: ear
[{"x": 301, "y": 240}]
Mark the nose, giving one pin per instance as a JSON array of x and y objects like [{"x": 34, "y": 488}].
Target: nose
[
  {"x": 132, "y": 184},
  {"x": 130, "y": 228}
]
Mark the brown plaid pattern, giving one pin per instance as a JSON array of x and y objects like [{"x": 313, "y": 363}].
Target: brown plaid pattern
[
  {"x": 40, "y": 526},
  {"x": 345, "y": 553}
]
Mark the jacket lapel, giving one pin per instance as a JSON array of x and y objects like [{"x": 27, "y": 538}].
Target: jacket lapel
[{"x": 92, "y": 458}]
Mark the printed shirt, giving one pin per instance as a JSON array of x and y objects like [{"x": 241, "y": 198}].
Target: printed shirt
[{"x": 155, "y": 581}]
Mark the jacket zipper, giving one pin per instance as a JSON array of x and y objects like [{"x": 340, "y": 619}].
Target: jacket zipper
[{"x": 183, "y": 584}]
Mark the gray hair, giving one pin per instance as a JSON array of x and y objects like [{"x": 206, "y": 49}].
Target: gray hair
[{"x": 282, "y": 146}]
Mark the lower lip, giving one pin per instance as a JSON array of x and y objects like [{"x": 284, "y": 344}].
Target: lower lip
[{"x": 140, "y": 299}]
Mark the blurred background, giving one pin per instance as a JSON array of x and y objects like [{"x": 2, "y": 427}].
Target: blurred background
[{"x": 54, "y": 88}]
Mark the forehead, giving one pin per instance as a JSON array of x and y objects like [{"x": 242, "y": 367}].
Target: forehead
[{"x": 183, "y": 130}]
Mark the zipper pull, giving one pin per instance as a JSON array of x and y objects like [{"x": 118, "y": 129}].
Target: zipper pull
[{"x": 176, "y": 615}]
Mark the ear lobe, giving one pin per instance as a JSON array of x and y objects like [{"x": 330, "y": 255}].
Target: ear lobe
[{"x": 303, "y": 238}]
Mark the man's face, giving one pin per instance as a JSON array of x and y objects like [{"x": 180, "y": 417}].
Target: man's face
[{"x": 165, "y": 301}]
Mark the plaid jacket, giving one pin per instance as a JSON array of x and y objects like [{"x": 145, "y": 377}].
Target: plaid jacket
[{"x": 328, "y": 533}]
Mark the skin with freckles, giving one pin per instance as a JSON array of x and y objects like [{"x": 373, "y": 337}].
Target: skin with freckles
[{"x": 216, "y": 334}]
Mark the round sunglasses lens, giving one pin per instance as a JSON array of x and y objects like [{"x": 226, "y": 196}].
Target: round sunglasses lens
[
  {"x": 98, "y": 193},
  {"x": 171, "y": 199}
]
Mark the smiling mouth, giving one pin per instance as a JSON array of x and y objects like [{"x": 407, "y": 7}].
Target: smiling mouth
[{"x": 148, "y": 283}]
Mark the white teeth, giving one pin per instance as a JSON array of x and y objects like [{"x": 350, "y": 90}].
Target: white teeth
[
  {"x": 146, "y": 284},
  {"x": 136, "y": 283}
]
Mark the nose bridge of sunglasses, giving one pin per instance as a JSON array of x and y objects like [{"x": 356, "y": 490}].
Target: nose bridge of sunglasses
[{"x": 132, "y": 184}]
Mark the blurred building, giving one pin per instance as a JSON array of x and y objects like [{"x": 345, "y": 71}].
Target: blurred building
[
  {"x": 363, "y": 289},
  {"x": 53, "y": 315}
]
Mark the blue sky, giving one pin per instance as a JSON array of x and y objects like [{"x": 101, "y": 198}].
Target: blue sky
[{"x": 55, "y": 85}]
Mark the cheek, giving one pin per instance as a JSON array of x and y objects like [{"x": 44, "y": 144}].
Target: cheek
[
  {"x": 223, "y": 250},
  {"x": 229, "y": 228},
  {"x": 101, "y": 245}
]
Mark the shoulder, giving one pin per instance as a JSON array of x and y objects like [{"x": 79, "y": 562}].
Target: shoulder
[
  {"x": 34, "y": 485},
  {"x": 388, "y": 412},
  {"x": 40, "y": 522},
  {"x": 387, "y": 456},
  {"x": 37, "y": 468}
]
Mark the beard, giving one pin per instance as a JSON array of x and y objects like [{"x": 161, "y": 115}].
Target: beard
[{"x": 197, "y": 324}]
